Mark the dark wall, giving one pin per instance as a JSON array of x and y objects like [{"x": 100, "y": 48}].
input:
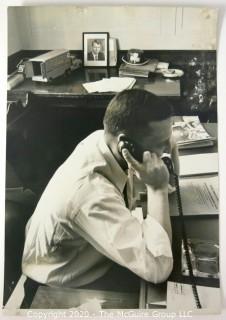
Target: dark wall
[{"x": 44, "y": 136}]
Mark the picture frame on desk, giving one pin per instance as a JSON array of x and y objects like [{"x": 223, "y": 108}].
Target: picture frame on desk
[{"x": 95, "y": 49}]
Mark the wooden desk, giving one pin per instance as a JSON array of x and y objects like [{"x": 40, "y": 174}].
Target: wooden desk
[{"x": 71, "y": 85}]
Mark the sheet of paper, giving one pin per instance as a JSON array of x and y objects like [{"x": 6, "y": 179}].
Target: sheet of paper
[
  {"x": 180, "y": 297},
  {"x": 113, "y": 84},
  {"x": 199, "y": 195},
  {"x": 198, "y": 164}
]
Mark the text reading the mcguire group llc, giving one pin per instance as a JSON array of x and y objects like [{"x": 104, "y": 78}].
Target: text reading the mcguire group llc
[{"x": 73, "y": 314}]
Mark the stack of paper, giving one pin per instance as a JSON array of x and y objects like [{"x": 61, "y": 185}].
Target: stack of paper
[
  {"x": 113, "y": 84},
  {"x": 190, "y": 133}
]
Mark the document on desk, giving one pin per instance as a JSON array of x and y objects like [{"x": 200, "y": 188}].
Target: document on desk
[
  {"x": 180, "y": 297},
  {"x": 198, "y": 164},
  {"x": 199, "y": 195},
  {"x": 113, "y": 84}
]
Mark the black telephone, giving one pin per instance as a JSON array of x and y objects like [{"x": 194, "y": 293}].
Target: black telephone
[
  {"x": 137, "y": 153},
  {"x": 135, "y": 150}
]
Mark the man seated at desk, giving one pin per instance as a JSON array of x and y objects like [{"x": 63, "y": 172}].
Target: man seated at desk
[{"x": 83, "y": 223}]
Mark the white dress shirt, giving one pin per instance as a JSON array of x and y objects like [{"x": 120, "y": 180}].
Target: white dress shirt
[{"x": 81, "y": 224}]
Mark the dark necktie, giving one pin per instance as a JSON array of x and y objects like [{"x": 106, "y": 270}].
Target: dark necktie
[{"x": 126, "y": 196}]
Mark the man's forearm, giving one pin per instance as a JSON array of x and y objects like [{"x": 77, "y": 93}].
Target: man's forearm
[{"x": 158, "y": 208}]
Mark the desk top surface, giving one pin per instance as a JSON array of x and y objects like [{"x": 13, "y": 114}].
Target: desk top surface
[{"x": 72, "y": 84}]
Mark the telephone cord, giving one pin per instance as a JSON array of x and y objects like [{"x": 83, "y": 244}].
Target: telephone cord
[{"x": 185, "y": 243}]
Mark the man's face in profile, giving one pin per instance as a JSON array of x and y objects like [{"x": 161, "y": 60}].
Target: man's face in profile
[
  {"x": 96, "y": 48},
  {"x": 156, "y": 136}
]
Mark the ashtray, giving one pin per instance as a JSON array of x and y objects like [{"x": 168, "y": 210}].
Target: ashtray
[
  {"x": 204, "y": 258},
  {"x": 172, "y": 73}
]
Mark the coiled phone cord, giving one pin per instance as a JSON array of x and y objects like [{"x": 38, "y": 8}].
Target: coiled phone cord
[
  {"x": 168, "y": 162},
  {"x": 185, "y": 242}
]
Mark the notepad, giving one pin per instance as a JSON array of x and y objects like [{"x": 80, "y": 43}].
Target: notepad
[
  {"x": 113, "y": 84},
  {"x": 198, "y": 164}
]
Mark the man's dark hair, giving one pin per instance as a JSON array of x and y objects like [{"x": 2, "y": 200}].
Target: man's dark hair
[
  {"x": 96, "y": 41},
  {"x": 133, "y": 109}
]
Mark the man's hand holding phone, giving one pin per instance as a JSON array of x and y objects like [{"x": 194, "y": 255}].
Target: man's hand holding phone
[
  {"x": 152, "y": 171},
  {"x": 155, "y": 175}
]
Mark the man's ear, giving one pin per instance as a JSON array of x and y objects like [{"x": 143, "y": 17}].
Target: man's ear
[
  {"x": 121, "y": 137},
  {"x": 121, "y": 142}
]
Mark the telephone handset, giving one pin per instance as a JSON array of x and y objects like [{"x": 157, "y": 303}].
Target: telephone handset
[
  {"x": 129, "y": 144},
  {"x": 137, "y": 153}
]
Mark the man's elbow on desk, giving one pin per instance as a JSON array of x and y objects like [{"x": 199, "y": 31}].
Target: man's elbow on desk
[{"x": 160, "y": 271}]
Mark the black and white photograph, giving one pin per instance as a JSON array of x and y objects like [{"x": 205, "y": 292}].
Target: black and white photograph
[
  {"x": 112, "y": 173},
  {"x": 95, "y": 46}
]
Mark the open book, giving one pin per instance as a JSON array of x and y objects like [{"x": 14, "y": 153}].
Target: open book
[{"x": 189, "y": 133}]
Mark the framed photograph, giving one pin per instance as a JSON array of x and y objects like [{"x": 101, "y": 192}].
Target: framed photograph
[{"x": 95, "y": 49}]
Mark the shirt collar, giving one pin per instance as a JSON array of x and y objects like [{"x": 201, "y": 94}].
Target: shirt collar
[{"x": 114, "y": 171}]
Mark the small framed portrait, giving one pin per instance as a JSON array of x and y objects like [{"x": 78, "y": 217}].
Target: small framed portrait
[{"x": 95, "y": 49}]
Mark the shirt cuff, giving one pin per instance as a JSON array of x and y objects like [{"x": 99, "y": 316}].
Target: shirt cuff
[{"x": 156, "y": 238}]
